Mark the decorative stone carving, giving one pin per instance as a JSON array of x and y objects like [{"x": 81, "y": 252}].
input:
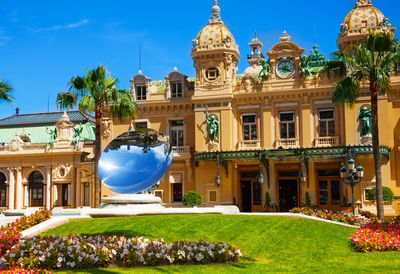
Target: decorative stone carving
[
  {"x": 65, "y": 129},
  {"x": 106, "y": 128},
  {"x": 62, "y": 172},
  {"x": 16, "y": 143}
]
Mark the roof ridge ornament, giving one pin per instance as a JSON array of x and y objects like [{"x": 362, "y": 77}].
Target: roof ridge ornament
[
  {"x": 215, "y": 13},
  {"x": 285, "y": 37},
  {"x": 363, "y": 3}
]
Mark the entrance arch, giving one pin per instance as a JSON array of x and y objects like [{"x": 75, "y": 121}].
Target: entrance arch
[
  {"x": 36, "y": 189},
  {"x": 3, "y": 190}
]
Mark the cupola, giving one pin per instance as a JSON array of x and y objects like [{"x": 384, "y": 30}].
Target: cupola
[{"x": 359, "y": 22}]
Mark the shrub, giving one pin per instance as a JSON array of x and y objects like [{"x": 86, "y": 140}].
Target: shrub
[
  {"x": 192, "y": 198},
  {"x": 77, "y": 252},
  {"x": 377, "y": 236},
  {"x": 10, "y": 233},
  {"x": 388, "y": 195},
  {"x": 328, "y": 215}
]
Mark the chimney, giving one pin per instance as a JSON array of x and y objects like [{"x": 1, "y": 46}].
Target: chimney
[{"x": 17, "y": 111}]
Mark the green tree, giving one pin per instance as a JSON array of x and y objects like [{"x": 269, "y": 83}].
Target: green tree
[
  {"x": 370, "y": 62},
  {"x": 92, "y": 93},
  {"x": 5, "y": 91}
]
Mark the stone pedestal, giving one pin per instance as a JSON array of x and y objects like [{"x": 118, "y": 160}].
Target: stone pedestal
[{"x": 146, "y": 204}]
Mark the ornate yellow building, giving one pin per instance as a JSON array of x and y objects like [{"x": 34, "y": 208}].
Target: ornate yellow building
[{"x": 284, "y": 127}]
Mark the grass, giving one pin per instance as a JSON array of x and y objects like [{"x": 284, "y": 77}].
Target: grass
[{"x": 268, "y": 243}]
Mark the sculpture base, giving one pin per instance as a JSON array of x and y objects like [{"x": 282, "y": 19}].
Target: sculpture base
[{"x": 147, "y": 204}]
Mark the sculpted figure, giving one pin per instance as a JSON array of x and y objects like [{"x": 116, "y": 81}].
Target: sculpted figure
[
  {"x": 365, "y": 119},
  {"x": 212, "y": 126},
  {"x": 53, "y": 136},
  {"x": 266, "y": 67}
]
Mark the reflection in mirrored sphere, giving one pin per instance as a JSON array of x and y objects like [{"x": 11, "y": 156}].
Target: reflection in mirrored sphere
[{"x": 134, "y": 161}]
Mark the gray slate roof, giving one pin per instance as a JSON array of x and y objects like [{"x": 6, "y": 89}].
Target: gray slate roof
[{"x": 36, "y": 119}]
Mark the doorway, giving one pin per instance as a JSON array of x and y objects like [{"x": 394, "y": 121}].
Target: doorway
[
  {"x": 288, "y": 195},
  {"x": 64, "y": 191},
  {"x": 246, "y": 196},
  {"x": 250, "y": 190}
]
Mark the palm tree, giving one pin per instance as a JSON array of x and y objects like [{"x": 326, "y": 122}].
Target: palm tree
[
  {"x": 95, "y": 91},
  {"x": 5, "y": 91},
  {"x": 370, "y": 62}
]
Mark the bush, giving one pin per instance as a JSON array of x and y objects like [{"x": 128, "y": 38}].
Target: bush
[
  {"x": 192, "y": 198},
  {"x": 86, "y": 251},
  {"x": 308, "y": 200},
  {"x": 10, "y": 233},
  {"x": 328, "y": 215},
  {"x": 388, "y": 195},
  {"x": 377, "y": 236}
]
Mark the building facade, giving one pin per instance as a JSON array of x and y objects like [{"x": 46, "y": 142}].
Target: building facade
[
  {"x": 46, "y": 160},
  {"x": 283, "y": 126}
]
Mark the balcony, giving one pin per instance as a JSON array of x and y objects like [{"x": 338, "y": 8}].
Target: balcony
[
  {"x": 287, "y": 143},
  {"x": 327, "y": 141},
  {"x": 249, "y": 144},
  {"x": 181, "y": 152}
]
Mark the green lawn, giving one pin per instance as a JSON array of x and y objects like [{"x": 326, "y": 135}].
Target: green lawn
[{"x": 268, "y": 243}]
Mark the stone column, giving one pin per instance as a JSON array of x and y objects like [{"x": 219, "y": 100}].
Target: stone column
[
  {"x": 11, "y": 188},
  {"x": 26, "y": 195},
  {"x": 78, "y": 189},
  {"x": 19, "y": 190},
  {"x": 48, "y": 188}
]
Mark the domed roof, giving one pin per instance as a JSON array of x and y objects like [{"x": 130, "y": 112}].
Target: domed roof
[
  {"x": 364, "y": 15},
  {"x": 215, "y": 34}
]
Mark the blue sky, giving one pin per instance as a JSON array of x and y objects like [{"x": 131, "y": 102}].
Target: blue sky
[{"x": 43, "y": 43}]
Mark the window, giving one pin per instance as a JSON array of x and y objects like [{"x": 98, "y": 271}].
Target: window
[
  {"x": 141, "y": 125},
  {"x": 256, "y": 193},
  {"x": 3, "y": 190},
  {"x": 212, "y": 196},
  {"x": 212, "y": 73},
  {"x": 140, "y": 93},
  {"x": 326, "y": 122},
  {"x": 36, "y": 186},
  {"x": 176, "y": 90},
  {"x": 329, "y": 188},
  {"x": 287, "y": 124},
  {"x": 176, "y": 133},
  {"x": 249, "y": 126},
  {"x": 86, "y": 194},
  {"x": 158, "y": 193}
]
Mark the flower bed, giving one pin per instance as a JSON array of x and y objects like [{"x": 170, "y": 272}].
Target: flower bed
[
  {"x": 328, "y": 215},
  {"x": 77, "y": 252},
  {"x": 20, "y": 270},
  {"x": 377, "y": 236},
  {"x": 10, "y": 233}
]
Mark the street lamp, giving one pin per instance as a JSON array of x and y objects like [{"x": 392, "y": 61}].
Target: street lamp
[
  {"x": 218, "y": 177},
  {"x": 261, "y": 175},
  {"x": 351, "y": 176}
]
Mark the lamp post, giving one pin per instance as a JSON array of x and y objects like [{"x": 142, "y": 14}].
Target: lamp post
[
  {"x": 218, "y": 177},
  {"x": 351, "y": 176},
  {"x": 261, "y": 175}
]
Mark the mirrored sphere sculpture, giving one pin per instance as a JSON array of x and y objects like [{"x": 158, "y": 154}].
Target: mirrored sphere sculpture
[{"x": 135, "y": 161}]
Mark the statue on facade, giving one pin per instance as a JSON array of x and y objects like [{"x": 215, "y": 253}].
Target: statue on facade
[
  {"x": 266, "y": 68},
  {"x": 212, "y": 126},
  {"x": 365, "y": 119},
  {"x": 53, "y": 136},
  {"x": 77, "y": 139}
]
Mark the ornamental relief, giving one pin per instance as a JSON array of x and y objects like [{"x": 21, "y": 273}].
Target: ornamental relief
[
  {"x": 106, "y": 128},
  {"x": 62, "y": 172}
]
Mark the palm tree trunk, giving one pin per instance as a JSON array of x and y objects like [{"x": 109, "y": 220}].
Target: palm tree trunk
[
  {"x": 375, "y": 149},
  {"x": 97, "y": 184}
]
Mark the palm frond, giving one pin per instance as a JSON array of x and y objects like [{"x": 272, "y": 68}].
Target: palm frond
[
  {"x": 87, "y": 104},
  {"x": 5, "y": 91},
  {"x": 123, "y": 105},
  {"x": 66, "y": 100},
  {"x": 346, "y": 91}
]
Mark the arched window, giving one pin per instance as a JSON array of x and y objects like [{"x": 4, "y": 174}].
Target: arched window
[
  {"x": 36, "y": 189},
  {"x": 3, "y": 190}
]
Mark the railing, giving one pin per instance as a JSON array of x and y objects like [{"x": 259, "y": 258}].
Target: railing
[
  {"x": 249, "y": 144},
  {"x": 182, "y": 151},
  {"x": 26, "y": 148},
  {"x": 287, "y": 143},
  {"x": 327, "y": 141}
]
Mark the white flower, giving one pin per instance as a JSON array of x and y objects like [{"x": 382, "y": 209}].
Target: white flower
[
  {"x": 199, "y": 257},
  {"x": 60, "y": 259},
  {"x": 59, "y": 265},
  {"x": 42, "y": 258},
  {"x": 80, "y": 259}
]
